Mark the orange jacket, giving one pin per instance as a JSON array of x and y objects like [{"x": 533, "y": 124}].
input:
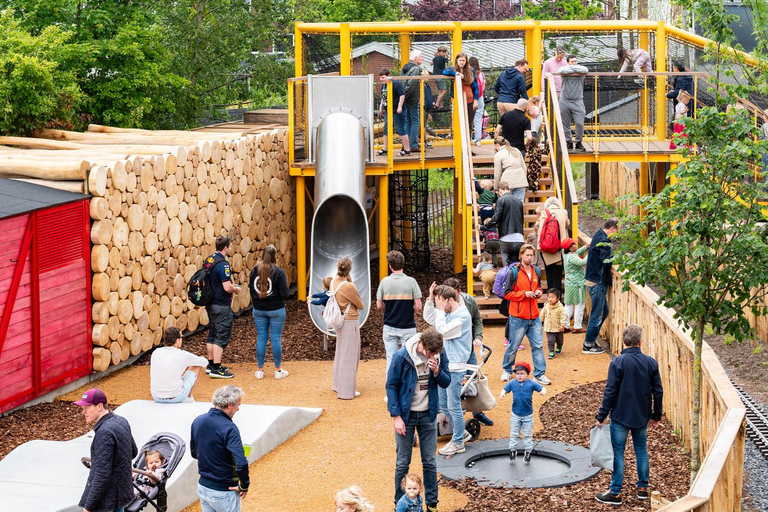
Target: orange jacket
[{"x": 521, "y": 306}]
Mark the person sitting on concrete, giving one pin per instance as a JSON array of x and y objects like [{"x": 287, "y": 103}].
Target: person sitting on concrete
[{"x": 173, "y": 372}]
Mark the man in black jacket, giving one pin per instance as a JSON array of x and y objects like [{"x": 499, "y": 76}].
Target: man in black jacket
[
  {"x": 216, "y": 444},
  {"x": 508, "y": 217},
  {"x": 598, "y": 278},
  {"x": 110, "y": 485},
  {"x": 632, "y": 397}
]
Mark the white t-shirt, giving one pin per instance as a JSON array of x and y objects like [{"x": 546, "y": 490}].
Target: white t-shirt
[{"x": 166, "y": 368}]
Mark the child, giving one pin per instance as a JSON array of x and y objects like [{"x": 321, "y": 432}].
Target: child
[
  {"x": 574, "y": 266},
  {"x": 681, "y": 110},
  {"x": 154, "y": 461},
  {"x": 553, "y": 317},
  {"x": 533, "y": 153},
  {"x": 411, "y": 501},
  {"x": 534, "y": 112},
  {"x": 522, "y": 409},
  {"x": 490, "y": 235},
  {"x": 398, "y": 97},
  {"x": 321, "y": 298},
  {"x": 351, "y": 499},
  {"x": 484, "y": 269},
  {"x": 486, "y": 199},
  {"x": 439, "y": 62}
]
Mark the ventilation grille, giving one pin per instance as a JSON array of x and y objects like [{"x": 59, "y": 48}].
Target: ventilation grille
[{"x": 60, "y": 236}]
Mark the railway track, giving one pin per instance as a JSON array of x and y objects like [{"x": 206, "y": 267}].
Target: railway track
[{"x": 757, "y": 421}]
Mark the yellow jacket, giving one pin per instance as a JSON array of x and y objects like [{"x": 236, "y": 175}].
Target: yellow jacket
[{"x": 553, "y": 317}]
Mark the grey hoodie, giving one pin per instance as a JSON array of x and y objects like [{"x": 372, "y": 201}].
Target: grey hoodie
[
  {"x": 573, "y": 86},
  {"x": 420, "y": 398}
]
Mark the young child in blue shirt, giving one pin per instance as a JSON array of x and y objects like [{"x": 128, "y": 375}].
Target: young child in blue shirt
[
  {"x": 522, "y": 390},
  {"x": 411, "y": 501}
]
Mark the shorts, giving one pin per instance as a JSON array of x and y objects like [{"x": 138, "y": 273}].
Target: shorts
[
  {"x": 187, "y": 381},
  {"x": 440, "y": 84},
  {"x": 220, "y": 321}
]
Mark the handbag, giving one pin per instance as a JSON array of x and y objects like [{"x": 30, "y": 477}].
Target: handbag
[
  {"x": 483, "y": 400},
  {"x": 600, "y": 447}
]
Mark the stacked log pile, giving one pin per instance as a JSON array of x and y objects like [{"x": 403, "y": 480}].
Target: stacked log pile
[{"x": 159, "y": 201}]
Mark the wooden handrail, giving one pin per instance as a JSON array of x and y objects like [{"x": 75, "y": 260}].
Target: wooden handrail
[{"x": 561, "y": 137}]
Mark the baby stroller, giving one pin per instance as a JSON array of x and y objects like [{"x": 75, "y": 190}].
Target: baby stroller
[
  {"x": 172, "y": 447},
  {"x": 476, "y": 396}
]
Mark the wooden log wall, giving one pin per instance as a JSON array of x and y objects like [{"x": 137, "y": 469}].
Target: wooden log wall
[
  {"x": 722, "y": 429},
  {"x": 618, "y": 180},
  {"x": 158, "y": 219}
]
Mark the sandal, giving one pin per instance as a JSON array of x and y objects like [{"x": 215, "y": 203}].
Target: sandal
[
  {"x": 382, "y": 152},
  {"x": 405, "y": 153}
]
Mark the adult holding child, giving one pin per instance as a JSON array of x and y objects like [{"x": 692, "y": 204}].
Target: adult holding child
[
  {"x": 347, "y": 356},
  {"x": 269, "y": 288},
  {"x": 173, "y": 372}
]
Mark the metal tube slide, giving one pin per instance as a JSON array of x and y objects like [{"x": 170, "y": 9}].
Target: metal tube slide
[{"x": 340, "y": 226}]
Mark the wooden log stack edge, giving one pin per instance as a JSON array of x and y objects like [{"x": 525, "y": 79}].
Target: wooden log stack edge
[{"x": 155, "y": 217}]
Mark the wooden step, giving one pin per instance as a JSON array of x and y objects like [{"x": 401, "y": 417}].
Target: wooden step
[{"x": 492, "y": 314}]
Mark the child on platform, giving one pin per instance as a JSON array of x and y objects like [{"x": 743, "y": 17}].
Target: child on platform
[
  {"x": 484, "y": 269},
  {"x": 681, "y": 110},
  {"x": 553, "y": 317},
  {"x": 522, "y": 389},
  {"x": 352, "y": 499},
  {"x": 154, "y": 461},
  {"x": 411, "y": 501}
]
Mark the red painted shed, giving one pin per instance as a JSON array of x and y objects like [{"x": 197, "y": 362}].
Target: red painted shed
[{"x": 45, "y": 291}]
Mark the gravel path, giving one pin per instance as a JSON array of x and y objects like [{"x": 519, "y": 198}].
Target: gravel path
[{"x": 755, "y": 475}]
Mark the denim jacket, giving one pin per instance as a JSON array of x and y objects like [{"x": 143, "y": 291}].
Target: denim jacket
[{"x": 405, "y": 504}]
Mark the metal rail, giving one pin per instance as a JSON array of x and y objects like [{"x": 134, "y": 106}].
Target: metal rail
[{"x": 757, "y": 421}]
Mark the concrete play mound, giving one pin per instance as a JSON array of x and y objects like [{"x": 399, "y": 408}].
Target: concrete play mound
[{"x": 47, "y": 476}]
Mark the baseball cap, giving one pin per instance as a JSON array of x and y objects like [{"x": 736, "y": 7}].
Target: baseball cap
[
  {"x": 92, "y": 397},
  {"x": 567, "y": 243},
  {"x": 523, "y": 366}
]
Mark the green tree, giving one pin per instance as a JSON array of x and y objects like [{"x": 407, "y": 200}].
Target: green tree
[
  {"x": 701, "y": 240},
  {"x": 35, "y": 89},
  {"x": 562, "y": 10}
]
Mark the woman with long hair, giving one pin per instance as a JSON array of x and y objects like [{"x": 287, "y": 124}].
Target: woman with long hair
[
  {"x": 269, "y": 288},
  {"x": 347, "y": 356},
  {"x": 480, "y": 111},
  {"x": 466, "y": 74}
]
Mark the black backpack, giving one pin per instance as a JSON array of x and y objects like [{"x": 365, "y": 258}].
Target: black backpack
[{"x": 199, "y": 289}]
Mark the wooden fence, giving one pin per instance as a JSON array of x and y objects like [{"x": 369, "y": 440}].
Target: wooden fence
[
  {"x": 440, "y": 215},
  {"x": 722, "y": 429}
]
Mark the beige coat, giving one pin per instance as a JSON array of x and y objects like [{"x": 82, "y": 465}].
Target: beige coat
[
  {"x": 509, "y": 166},
  {"x": 555, "y": 208},
  {"x": 553, "y": 317}
]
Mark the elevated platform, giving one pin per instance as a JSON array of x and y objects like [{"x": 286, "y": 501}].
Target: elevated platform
[{"x": 47, "y": 476}]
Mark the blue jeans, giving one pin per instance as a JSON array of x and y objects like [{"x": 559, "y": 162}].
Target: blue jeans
[
  {"x": 412, "y": 124},
  {"x": 619, "y": 441},
  {"x": 597, "y": 315},
  {"x": 394, "y": 338},
  {"x": 518, "y": 328},
  {"x": 519, "y": 193},
  {"x": 526, "y": 424},
  {"x": 187, "y": 381},
  {"x": 478, "y": 120},
  {"x": 269, "y": 324},
  {"x": 218, "y": 501},
  {"x": 427, "y": 430},
  {"x": 450, "y": 405}
]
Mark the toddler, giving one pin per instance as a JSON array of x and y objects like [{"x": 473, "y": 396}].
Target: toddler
[
  {"x": 554, "y": 318},
  {"x": 411, "y": 501},
  {"x": 154, "y": 461},
  {"x": 351, "y": 499},
  {"x": 490, "y": 235},
  {"x": 534, "y": 112},
  {"x": 522, "y": 409},
  {"x": 681, "y": 110},
  {"x": 574, "y": 266},
  {"x": 484, "y": 269},
  {"x": 486, "y": 199},
  {"x": 321, "y": 298}
]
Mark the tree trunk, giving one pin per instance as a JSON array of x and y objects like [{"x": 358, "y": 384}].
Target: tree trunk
[{"x": 698, "y": 341}]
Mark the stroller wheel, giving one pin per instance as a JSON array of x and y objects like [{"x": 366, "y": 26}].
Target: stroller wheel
[{"x": 473, "y": 427}]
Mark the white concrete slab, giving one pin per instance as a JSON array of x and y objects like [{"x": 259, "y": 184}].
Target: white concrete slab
[{"x": 47, "y": 476}]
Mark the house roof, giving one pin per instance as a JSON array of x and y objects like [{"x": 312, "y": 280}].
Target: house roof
[{"x": 17, "y": 197}]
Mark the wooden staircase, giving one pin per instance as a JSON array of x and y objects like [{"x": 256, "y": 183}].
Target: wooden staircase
[{"x": 483, "y": 168}]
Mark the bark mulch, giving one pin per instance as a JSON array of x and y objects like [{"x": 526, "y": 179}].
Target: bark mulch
[
  {"x": 56, "y": 421},
  {"x": 567, "y": 417}
]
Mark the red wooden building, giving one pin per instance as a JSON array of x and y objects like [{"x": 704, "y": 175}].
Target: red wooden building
[{"x": 45, "y": 291}]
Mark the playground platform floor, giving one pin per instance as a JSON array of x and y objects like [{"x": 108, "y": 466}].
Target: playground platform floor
[{"x": 352, "y": 441}]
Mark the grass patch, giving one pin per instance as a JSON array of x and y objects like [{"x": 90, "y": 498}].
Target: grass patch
[
  {"x": 599, "y": 208},
  {"x": 577, "y": 169},
  {"x": 440, "y": 179}
]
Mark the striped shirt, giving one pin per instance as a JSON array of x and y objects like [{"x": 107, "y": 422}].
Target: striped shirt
[{"x": 398, "y": 292}]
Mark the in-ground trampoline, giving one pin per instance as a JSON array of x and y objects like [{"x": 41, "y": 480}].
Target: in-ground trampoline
[{"x": 553, "y": 464}]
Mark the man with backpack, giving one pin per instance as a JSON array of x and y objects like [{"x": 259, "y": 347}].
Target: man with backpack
[
  {"x": 220, "y": 316},
  {"x": 522, "y": 290}
]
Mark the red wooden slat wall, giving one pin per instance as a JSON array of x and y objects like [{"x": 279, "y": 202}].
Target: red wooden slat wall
[{"x": 47, "y": 344}]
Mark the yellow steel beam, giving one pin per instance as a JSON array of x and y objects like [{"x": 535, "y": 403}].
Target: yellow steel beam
[
  {"x": 405, "y": 48},
  {"x": 345, "y": 50},
  {"x": 661, "y": 81},
  {"x": 635, "y": 157},
  {"x": 468, "y": 248},
  {"x": 301, "y": 237},
  {"x": 318, "y": 28},
  {"x": 533, "y": 52},
  {"x": 498, "y": 25},
  {"x": 383, "y": 225},
  {"x": 402, "y": 26},
  {"x": 298, "y": 51}
]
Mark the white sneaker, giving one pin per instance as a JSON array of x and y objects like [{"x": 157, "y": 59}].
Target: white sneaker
[
  {"x": 259, "y": 374},
  {"x": 543, "y": 380},
  {"x": 452, "y": 448},
  {"x": 386, "y": 400},
  {"x": 283, "y": 373},
  {"x": 505, "y": 376}
]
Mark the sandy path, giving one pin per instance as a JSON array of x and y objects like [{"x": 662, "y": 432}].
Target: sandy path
[{"x": 352, "y": 441}]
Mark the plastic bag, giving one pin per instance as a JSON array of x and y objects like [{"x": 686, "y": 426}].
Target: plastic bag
[{"x": 600, "y": 447}]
